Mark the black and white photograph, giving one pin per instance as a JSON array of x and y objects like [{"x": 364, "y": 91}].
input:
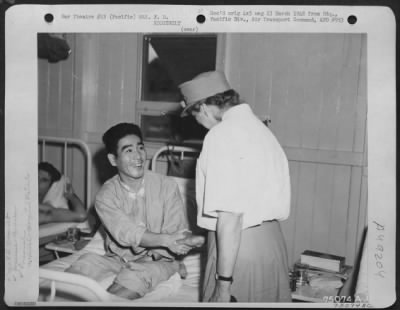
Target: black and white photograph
[{"x": 181, "y": 165}]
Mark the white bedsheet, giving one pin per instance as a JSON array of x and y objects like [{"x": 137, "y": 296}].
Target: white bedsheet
[{"x": 174, "y": 289}]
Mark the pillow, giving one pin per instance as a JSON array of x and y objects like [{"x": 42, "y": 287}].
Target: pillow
[{"x": 55, "y": 194}]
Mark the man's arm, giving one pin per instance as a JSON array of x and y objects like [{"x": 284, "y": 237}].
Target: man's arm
[
  {"x": 229, "y": 231},
  {"x": 75, "y": 204},
  {"x": 174, "y": 221},
  {"x": 129, "y": 233},
  {"x": 49, "y": 214},
  {"x": 154, "y": 240}
]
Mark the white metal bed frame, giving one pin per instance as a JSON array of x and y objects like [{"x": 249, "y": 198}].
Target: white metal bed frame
[
  {"x": 174, "y": 149},
  {"x": 67, "y": 142}
]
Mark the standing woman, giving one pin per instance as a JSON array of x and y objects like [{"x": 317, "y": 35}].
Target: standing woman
[{"x": 242, "y": 191}]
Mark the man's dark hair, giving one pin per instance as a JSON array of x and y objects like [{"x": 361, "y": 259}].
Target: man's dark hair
[
  {"x": 112, "y": 136},
  {"x": 55, "y": 175}
]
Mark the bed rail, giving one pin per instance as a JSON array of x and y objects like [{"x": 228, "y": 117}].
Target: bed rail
[
  {"x": 75, "y": 285},
  {"x": 66, "y": 142},
  {"x": 182, "y": 150}
]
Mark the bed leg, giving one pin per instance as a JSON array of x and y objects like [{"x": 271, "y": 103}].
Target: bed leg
[{"x": 52, "y": 291}]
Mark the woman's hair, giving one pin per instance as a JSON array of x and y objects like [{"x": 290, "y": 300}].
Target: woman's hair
[
  {"x": 112, "y": 136},
  {"x": 228, "y": 98},
  {"x": 55, "y": 175}
]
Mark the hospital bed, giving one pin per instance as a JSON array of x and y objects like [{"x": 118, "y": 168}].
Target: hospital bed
[
  {"x": 61, "y": 287},
  {"x": 60, "y": 152}
]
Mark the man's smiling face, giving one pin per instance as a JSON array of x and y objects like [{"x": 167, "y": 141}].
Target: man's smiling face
[{"x": 130, "y": 159}]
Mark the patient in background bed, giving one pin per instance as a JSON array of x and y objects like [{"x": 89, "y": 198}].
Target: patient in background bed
[
  {"x": 145, "y": 220},
  {"x": 57, "y": 200}
]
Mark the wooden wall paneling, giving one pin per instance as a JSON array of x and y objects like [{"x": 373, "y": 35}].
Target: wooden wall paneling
[
  {"x": 346, "y": 123},
  {"x": 279, "y": 95},
  {"x": 120, "y": 86},
  {"x": 67, "y": 89},
  {"x": 348, "y": 93},
  {"x": 322, "y": 207},
  {"x": 313, "y": 93},
  {"x": 80, "y": 87},
  {"x": 232, "y": 63},
  {"x": 53, "y": 104},
  {"x": 79, "y": 111},
  {"x": 129, "y": 78},
  {"x": 115, "y": 63},
  {"x": 328, "y": 125},
  {"x": 363, "y": 214},
  {"x": 339, "y": 209},
  {"x": 88, "y": 77},
  {"x": 263, "y": 77},
  {"x": 296, "y": 85},
  {"x": 331, "y": 94},
  {"x": 289, "y": 226},
  {"x": 306, "y": 183},
  {"x": 361, "y": 103},
  {"x": 43, "y": 93},
  {"x": 55, "y": 93},
  {"x": 113, "y": 81},
  {"x": 105, "y": 76},
  {"x": 312, "y": 108},
  {"x": 353, "y": 214},
  {"x": 249, "y": 59}
]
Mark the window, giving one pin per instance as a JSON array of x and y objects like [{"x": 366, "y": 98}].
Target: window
[{"x": 167, "y": 61}]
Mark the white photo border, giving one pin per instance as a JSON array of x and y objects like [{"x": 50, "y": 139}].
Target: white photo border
[{"x": 24, "y": 22}]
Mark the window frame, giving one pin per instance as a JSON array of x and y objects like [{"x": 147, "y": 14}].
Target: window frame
[{"x": 154, "y": 108}]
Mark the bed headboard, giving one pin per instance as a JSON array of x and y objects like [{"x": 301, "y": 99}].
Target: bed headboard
[
  {"x": 64, "y": 146},
  {"x": 186, "y": 185},
  {"x": 183, "y": 158}
]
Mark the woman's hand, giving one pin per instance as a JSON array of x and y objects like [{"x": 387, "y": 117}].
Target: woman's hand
[{"x": 222, "y": 292}]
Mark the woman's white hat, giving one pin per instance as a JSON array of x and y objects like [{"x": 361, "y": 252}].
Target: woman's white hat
[{"x": 203, "y": 86}]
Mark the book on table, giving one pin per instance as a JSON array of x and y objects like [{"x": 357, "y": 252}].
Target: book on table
[
  {"x": 321, "y": 260},
  {"x": 344, "y": 273}
]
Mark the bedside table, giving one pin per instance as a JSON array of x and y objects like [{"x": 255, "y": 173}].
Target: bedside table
[
  {"x": 317, "y": 295},
  {"x": 327, "y": 293}
]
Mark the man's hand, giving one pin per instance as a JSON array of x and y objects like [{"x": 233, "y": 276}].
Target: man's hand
[
  {"x": 173, "y": 246},
  {"x": 69, "y": 191},
  {"x": 222, "y": 292},
  {"x": 191, "y": 240}
]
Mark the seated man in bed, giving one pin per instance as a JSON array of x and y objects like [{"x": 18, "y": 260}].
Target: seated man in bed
[
  {"x": 144, "y": 217},
  {"x": 57, "y": 200}
]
